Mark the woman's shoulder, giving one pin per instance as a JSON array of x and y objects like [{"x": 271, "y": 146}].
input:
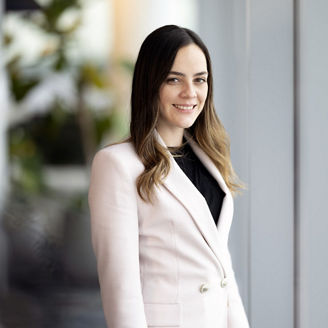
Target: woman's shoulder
[
  {"x": 120, "y": 149},
  {"x": 121, "y": 154}
]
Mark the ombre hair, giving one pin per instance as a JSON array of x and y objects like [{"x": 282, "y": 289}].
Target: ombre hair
[{"x": 154, "y": 62}]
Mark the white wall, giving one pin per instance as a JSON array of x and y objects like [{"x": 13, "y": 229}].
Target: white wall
[{"x": 312, "y": 97}]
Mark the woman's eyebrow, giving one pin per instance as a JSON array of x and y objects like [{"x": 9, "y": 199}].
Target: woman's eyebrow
[{"x": 182, "y": 74}]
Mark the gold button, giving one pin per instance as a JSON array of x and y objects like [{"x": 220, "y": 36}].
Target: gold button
[
  {"x": 203, "y": 288},
  {"x": 224, "y": 282}
]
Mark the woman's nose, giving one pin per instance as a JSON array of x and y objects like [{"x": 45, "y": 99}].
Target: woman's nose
[{"x": 188, "y": 91}]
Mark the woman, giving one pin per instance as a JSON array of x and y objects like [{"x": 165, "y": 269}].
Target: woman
[{"x": 161, "y": 204}]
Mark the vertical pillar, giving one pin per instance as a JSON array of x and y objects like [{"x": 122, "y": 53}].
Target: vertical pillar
[
  {"x": 312, "y": 173},
  {"x": 3, "y": 165}
]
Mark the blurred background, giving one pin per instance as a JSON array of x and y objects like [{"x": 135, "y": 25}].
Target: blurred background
[{"x": 65, "y": 76}]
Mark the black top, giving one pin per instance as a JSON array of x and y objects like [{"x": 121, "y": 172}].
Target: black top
[{"x": 200, "y": 177}]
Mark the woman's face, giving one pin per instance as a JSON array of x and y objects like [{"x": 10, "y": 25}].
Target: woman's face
[{"x": 182, "y": 95}]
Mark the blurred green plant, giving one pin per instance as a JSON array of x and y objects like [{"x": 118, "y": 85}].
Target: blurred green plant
[{"x": 64, "y": 133}]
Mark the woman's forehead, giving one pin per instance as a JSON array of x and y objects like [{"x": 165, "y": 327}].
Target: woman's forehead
[{"x": 189, "y": 60}]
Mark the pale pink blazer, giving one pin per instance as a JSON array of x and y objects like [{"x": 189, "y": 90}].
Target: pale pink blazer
[{"x": 164, "y": 264}]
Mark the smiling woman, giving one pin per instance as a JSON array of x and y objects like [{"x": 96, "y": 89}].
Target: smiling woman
[{"x": 160, "y": 218}]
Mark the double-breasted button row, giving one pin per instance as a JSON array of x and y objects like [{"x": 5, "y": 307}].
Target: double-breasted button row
[{"x": 205, "y": 287}]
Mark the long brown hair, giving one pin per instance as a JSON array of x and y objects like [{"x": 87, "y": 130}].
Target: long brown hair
[{"x": 155, "y": 59}]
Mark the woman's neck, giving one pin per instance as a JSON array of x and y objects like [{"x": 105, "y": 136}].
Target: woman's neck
[{"x": 171, "y": 138}]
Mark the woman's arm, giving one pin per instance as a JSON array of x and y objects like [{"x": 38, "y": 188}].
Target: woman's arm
[{"x": 114, "y": 227}]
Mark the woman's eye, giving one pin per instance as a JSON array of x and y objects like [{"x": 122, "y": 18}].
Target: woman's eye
[
  {"x": 172, "y": 80},
  {"x": 201, "y": 80}
]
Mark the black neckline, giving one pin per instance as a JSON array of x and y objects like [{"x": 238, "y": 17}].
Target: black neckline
[{"x": 179, "y": 150}]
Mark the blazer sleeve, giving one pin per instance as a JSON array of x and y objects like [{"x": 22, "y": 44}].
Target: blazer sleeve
[
  {"x": 115, "y": 240},
  {"x": 236, "y": 313}
]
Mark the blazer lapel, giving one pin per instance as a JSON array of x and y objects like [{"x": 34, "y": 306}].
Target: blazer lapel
[
  {"x": 194, "y": 202},
  {"x": 226, "y": 214}
]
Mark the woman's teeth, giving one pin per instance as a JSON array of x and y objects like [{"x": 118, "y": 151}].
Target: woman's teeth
[{"x": 184, "y": 107}]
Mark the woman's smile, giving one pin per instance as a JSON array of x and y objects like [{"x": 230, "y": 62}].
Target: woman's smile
[{"x": 185, "y": 108}]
